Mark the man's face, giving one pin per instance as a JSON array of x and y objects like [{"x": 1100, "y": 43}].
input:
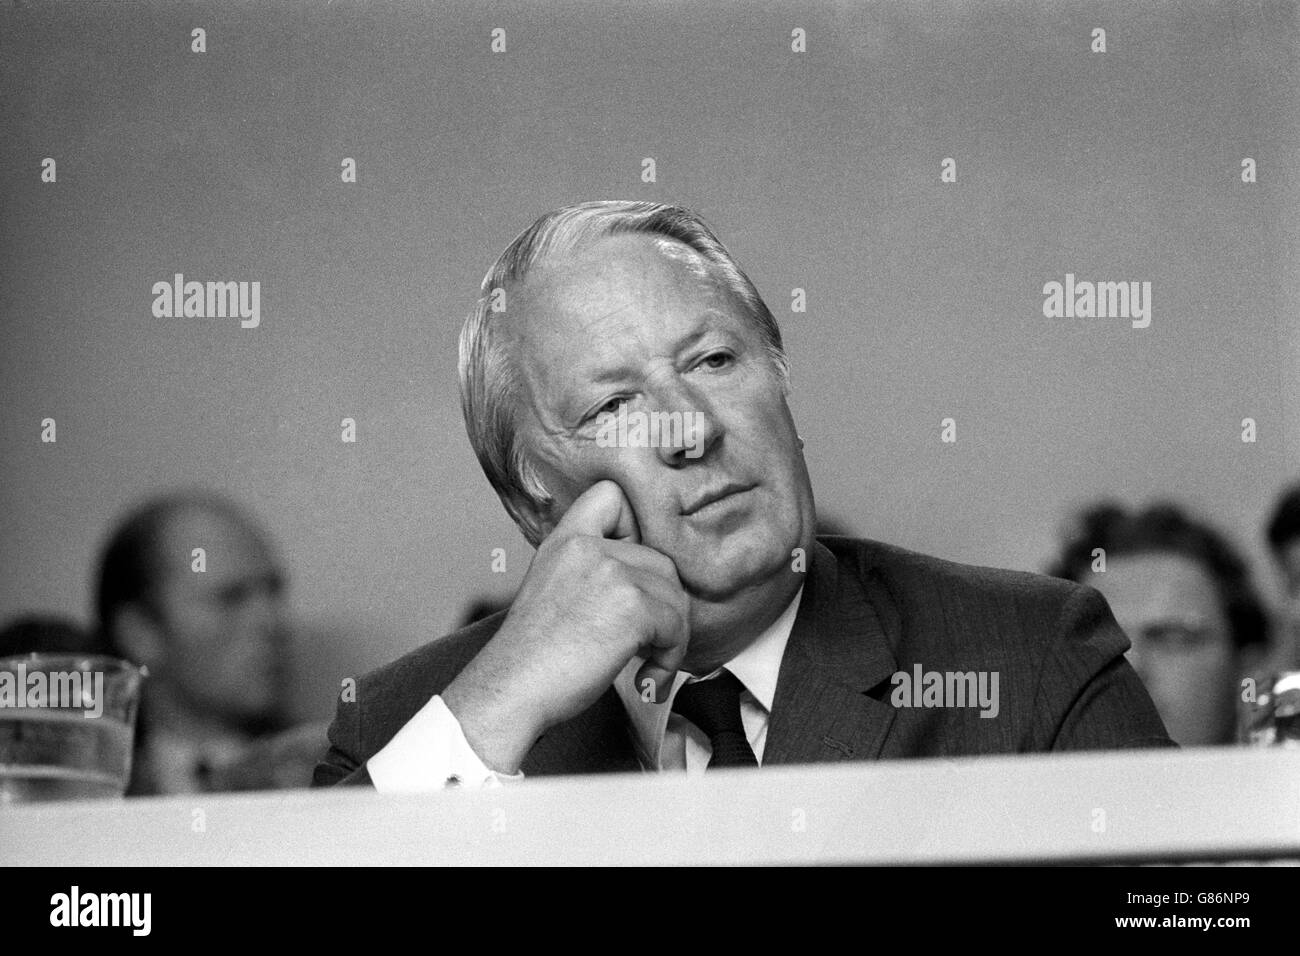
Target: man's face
[
  {"x": 1182, "y": 649},
  {"x": 222, "y": 628},
  {"x": 640, "y": 322}
]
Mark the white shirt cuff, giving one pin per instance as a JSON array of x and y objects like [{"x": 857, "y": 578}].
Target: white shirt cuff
[{"x": 431, "y": 753}]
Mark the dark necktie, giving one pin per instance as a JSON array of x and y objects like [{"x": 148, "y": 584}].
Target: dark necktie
[{"x": 714, "y": 706}]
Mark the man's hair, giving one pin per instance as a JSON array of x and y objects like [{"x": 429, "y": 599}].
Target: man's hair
[
  {"x": 489, "y": 379},
  {"x": 130, "y": 565},
  {"x": 1284, "y": 526},
  {"x": 1163, "y": 527}
]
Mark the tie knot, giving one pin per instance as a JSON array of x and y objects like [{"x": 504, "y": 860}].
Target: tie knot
[{"x": 712, "y": 705}]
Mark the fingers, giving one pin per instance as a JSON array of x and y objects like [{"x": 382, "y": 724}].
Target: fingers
[
  {"x": 665, "y": 652},
  {"x": 640, "y": 556},
  {"x": 664, "y": 646},
  {"x": 669, "y": 604},
  {"x": 602, "y": 511}
]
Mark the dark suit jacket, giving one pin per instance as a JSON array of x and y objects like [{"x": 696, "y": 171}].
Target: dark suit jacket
[{"x": 868, "y": 611}]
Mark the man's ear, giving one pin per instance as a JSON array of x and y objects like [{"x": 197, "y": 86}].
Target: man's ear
[{"x": 139, "y": 636}]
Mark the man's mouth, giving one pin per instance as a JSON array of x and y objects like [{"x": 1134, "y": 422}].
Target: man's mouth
[{"x": 715, "y": 495}]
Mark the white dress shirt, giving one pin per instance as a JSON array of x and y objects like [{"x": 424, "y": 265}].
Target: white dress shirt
[{"x": 430, "y": 752}]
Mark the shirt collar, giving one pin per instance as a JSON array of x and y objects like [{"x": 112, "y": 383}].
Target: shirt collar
[{"x": 757, "y": 667}]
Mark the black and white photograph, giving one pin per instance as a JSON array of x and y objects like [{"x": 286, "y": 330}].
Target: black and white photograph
[{"x": 651, "y": 434}]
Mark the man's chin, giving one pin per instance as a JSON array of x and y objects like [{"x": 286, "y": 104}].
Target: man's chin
[{"x": 728, "y": 576}]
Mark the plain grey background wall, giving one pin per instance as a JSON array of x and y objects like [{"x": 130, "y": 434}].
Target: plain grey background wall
[{"x": 819, "y": 169}]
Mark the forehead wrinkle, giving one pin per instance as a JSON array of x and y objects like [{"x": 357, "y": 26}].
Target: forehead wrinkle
[
  {"x": 590, "y": 323},
  {"x": 562, "y": 282}
]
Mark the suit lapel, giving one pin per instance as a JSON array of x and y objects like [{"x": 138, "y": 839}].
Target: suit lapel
[{"x": 838, "y": 650}]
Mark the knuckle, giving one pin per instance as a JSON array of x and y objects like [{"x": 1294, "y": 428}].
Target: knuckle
[
  {"x": 608, "y": 571},
  {"x": 627, "y": 591},
  {"x": 576, "y": 548}
]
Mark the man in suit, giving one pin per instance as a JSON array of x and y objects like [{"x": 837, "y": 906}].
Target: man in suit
[
  {"x": 680, "y": 612},
  {"x": 215, "y": 644}
]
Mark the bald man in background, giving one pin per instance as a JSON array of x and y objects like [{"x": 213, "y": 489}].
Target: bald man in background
[{"x": 212, "y": 632}]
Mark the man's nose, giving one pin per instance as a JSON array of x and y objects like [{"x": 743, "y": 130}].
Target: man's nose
[{"x": 687, "y": 429}]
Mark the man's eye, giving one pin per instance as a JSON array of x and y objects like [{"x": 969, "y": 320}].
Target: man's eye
[
  {"x": 717, "y": 360},
  {"x": 611, "y": 407}
]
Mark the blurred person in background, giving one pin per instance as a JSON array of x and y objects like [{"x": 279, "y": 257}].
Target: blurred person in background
[
  {"x": 1184, "y": 598},
  {"x": 1284, "y": 544},
  {"x": 210, "y": 629}
]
